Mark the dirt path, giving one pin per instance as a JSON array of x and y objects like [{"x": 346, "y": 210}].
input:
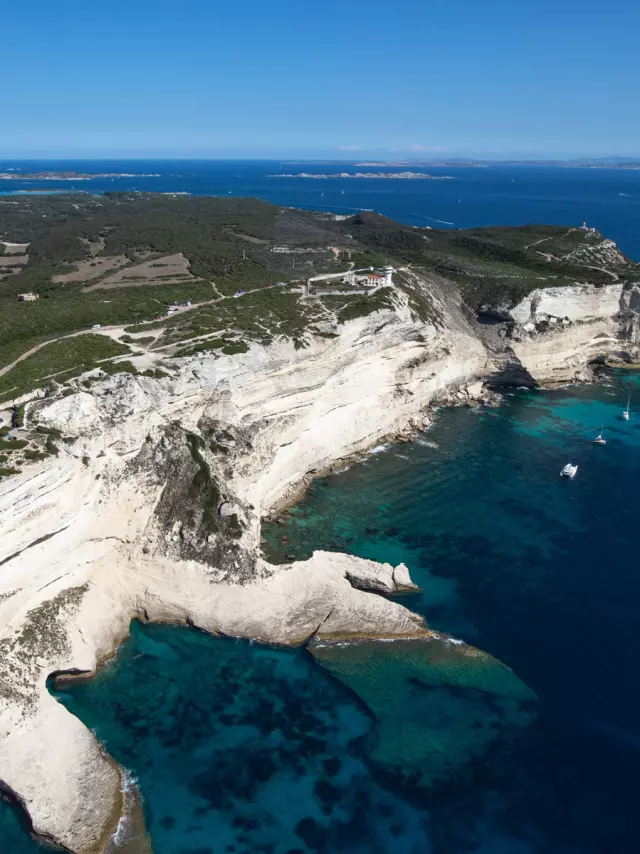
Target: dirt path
[
  {"x": 120, "y": 327},
  {"x": 613, "y": 275}
]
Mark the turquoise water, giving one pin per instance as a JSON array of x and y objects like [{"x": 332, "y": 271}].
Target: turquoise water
[{"x": 239, "y": 747}]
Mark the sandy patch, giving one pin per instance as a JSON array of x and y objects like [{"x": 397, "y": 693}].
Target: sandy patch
[
  {"x": 14, "y": 248},
  {"x": 169, "y": 270},
  {"x": 13, "y": 260},
  {"x": 92, "y": 268}
]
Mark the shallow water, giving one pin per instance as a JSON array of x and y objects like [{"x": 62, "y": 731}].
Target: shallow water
[{"x": 242, "y": 748}]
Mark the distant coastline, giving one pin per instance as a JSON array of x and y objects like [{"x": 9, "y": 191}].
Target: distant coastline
[
  {"x": 630, "y": 165},
  {"x": 69, "y": 176},
  {"x": 404, "y": 176}
]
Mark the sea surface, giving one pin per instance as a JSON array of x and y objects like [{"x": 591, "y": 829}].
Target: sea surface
[
  {"x": 607, "y": 199},
  {"x": 240, "y": 748}
]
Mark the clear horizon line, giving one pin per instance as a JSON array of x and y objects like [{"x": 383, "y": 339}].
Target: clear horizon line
[{"x": 332, "y": 159}]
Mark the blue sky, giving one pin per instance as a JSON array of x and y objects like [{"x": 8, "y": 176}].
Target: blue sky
[{"x": 289, "y": 78}]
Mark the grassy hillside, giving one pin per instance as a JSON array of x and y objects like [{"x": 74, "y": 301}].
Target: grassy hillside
[
  {"x": 76, "y": 242},
  {"x": 498, "y": 265}
]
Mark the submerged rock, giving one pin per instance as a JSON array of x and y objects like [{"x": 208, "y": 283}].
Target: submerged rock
[{"x": 438, "y": 704}]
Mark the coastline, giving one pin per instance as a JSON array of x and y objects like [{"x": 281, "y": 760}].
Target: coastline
[{"x": 118, "y": 529}]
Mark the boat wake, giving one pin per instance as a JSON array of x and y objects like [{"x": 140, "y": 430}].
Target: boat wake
[{"x": 443, "y": 221}]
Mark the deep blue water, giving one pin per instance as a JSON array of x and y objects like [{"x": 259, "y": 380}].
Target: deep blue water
[{"x": 607, "y": 199}]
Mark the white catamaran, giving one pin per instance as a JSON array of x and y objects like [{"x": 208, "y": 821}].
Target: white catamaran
[
  {"x": 599, "y": 440},
  {"x": 625, "y": 412},
  {"x": 569, "y": 471}
]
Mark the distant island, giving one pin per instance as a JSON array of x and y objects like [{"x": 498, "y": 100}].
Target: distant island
[
  {"x": 69, "y": 176},
  {"x": 461, "y": 163},
  {"x": 405, "y": 176}
]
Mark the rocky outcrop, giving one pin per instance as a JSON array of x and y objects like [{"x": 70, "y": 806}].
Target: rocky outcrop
[
  {"x": 572, "y": 303},
  {"x": 152, "y": 510},
  {"x": 559, "y": 331}
]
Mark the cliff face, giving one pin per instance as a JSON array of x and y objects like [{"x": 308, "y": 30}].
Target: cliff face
[
  {"x": 154, "y": 511},
  {"x": 561, "y": 330}
]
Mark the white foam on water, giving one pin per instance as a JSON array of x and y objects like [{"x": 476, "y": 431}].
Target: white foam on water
[
  {"x": 128, "y": 788},
  {"x": 379, "y": 449}
]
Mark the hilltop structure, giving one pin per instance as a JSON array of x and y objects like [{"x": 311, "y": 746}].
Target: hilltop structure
[{"x": 364, "y": 280}]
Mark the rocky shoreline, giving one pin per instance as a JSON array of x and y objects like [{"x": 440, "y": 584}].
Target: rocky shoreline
[{"x": 152, "y": 510}]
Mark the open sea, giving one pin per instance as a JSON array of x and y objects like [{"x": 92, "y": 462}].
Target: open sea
[{"x": 239, "y": 748}]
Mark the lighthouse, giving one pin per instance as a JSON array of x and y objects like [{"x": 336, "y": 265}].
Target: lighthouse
[{"x": 387, "y": 272}]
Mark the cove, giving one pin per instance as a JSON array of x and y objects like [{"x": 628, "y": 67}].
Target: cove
[{"x": 241, "y": 747}]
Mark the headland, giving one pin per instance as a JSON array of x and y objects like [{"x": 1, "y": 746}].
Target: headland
[{"x": 145, "y": 452}]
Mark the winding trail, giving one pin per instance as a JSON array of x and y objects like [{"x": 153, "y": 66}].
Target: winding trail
[{"x": 120, "y": 327}]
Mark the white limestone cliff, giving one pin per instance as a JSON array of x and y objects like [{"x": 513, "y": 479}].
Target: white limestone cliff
[
  {"x": 575, "y": 303},
  {"x": 563, "y": 329},
  {"x": 105, "y": 532}
]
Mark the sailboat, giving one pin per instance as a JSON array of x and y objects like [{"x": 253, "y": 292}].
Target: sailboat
[
  {"x": 599, "y": 440},
  {"x": 569, "y": 471},
  {"x": 625, "y": 412}
]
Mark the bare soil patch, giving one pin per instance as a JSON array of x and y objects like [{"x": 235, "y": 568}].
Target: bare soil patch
[
  {"x": 92, "y": 268},
  {"x": 14, "y": 248},
  {"x": 13, "y": 260},
  {"x": 169, "y": 270}
]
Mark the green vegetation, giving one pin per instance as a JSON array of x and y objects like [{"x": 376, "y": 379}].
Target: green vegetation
[
  {"x": 60, "y": 360},
  {"x": 49, "y": 431},
  {"x": 234, "y": 347},
  {"x": 494, "y": 266},
  {"x": 361, "y": 306},
  {"x": 34, "y": 456},
  {"x": 259, "y": 316},
  {"x": 51, "y": 447},
  {"x": 141, "y": 341},
  {"x": 12, "y": 444},
  {"x": 156, "y": 373},
  {"x": 7, "y": 472},
  {"x": 124, "y": 367},
  {"x": 204, "y": 490},
  {"x": 248, "y": 245}
]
